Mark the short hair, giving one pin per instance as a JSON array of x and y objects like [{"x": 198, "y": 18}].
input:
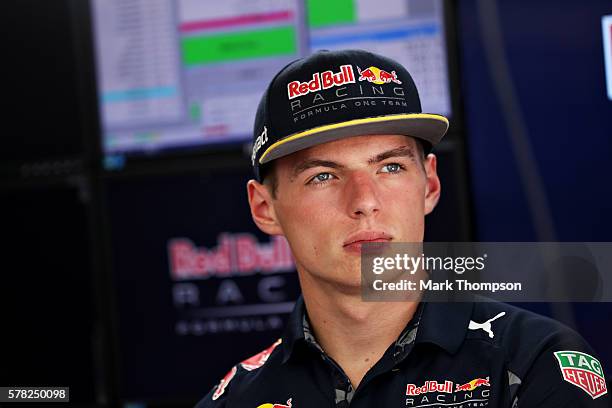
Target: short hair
[{"x": 268, "y": 176}]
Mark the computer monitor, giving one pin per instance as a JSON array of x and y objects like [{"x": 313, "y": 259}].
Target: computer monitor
[{"x": 185, "y": 76}]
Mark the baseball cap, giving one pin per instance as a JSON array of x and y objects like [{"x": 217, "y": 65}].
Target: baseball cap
[{"x": 331, "y": 95}]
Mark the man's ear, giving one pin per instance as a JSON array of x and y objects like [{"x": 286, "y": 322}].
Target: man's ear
[
  {"x": 262, "y": 208},
  {"x": 433, "y": 186}
]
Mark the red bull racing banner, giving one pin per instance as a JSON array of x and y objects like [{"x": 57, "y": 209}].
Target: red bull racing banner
[
  {"x": 238, "y": 285},
  {"x": 202, "y": 285}
]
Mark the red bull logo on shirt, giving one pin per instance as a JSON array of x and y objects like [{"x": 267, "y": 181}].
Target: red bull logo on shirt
[
  {"x": 445, "y": 387},
  {"x": 268, "y": 405},
  {"x": 434, "y": 394},
  {"x": 429, "y": 386},
  {"x": 223, "y": 384},
  {"x": 472, "y": 385},
  {"x": 377, "y": 76},
  {"x": 250, "y": 364}
]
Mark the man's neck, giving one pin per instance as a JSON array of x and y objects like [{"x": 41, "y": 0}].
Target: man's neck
[{"x": 354, "y": 333}]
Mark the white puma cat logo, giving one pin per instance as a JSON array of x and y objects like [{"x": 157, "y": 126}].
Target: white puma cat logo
[{"x": 486, "y": 326}]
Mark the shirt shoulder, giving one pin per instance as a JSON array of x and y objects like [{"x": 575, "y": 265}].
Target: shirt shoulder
[
  {"x": 522, "y": 335},
  {"x": 548, "y": 363},
  {"x": 244, "y": 372}
]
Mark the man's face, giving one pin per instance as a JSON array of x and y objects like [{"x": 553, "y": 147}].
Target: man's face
[{"x": 333, "y": 197}]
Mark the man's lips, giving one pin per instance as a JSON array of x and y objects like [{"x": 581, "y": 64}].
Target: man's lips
[{"x": 362, "y": 237}]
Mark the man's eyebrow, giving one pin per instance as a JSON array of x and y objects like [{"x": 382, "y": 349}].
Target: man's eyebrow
[
  {"x": 310, "y": 163},
  {"x": 402, "y": 151}
]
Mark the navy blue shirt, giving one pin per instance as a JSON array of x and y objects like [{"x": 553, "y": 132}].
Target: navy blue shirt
[{"x": 469, "y": 354}]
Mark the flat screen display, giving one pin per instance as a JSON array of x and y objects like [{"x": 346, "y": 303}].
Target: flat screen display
[{"x": 183, "y": 75}]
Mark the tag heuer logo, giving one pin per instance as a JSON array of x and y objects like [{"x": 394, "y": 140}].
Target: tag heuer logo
[{"x": 582, "y": 370}]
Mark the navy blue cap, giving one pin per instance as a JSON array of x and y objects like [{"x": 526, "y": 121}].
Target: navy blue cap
[{"x": 330, "y": 95}]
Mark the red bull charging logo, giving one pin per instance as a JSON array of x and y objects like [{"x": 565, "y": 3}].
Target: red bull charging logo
[
  {"x": 378, "y": 76},
  {"x": 472, "y": 385},
  {"x": 268, "y": 405}
]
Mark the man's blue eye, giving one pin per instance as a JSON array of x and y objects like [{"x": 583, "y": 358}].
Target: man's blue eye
[
  {"x": 322, "y": 177},
  {"x": 392, "y": 168}
]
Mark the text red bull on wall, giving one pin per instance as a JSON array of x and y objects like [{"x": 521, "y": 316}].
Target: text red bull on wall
[{"x": 235, "y": 255}]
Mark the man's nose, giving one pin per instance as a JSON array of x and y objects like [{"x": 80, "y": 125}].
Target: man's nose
[{"x": 362, "y": 195}]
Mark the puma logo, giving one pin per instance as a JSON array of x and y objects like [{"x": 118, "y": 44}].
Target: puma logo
[{"x": 486, "y": 326}]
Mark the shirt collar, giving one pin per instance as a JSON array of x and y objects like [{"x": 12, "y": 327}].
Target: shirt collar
[
  {"x": 442, "y": 323},
  {"x": 294, "y": 330}
]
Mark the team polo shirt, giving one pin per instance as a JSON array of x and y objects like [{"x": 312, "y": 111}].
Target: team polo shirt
[{"x": 461, "y": 355}]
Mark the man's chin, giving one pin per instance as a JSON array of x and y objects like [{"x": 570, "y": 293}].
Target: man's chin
[
  {"x": 346, "y": 281},
  {"x": 352, "y": 288},
  {"x": 349, "y": 281}
]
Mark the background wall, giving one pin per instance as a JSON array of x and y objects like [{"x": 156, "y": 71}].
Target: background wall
[{"x": 536, "y": 109}]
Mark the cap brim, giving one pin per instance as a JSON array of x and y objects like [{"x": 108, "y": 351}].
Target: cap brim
[{"x": 426, "y": 126}]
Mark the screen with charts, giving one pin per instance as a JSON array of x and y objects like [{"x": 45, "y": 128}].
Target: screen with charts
[{"x": 182, "y": 75}]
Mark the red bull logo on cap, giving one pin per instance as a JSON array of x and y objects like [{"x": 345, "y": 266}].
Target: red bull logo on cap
[
  {"x": 321, "y": 80},
  {"x": 378, "y": 76}
]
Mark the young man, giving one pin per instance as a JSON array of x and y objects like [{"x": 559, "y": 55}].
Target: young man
[{"x": 340, "y": 160}]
